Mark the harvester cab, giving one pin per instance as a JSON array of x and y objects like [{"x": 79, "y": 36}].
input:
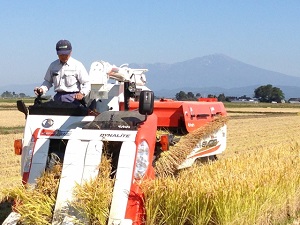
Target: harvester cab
[{"x": 122, "y": 119}]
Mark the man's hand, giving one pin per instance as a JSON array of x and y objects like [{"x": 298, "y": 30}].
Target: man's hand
[
  {"x": 38, "y": 91},
  {"x": 79, "y": 96}
]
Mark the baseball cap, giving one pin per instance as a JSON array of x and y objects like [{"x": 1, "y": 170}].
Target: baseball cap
[{"x": 63, "y": 47}]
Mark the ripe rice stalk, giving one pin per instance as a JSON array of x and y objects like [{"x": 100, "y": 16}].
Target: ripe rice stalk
[
  {"x": 176, "y": 200},
  {"x": 199, "y": 197},
  {"x": 258, "y": 187},
  {"x": 92, "y": 199},
  {"x": 165, "y": 202},
  {"x": 169, "y": 160},
  {"x": 35, "y": 204},
  {"x": 7, "y": 121},
  {"x": 261, "y": 186}
]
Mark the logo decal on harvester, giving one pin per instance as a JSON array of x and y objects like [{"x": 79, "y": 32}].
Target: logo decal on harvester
[
  {"x": 47, "y": 123},
  {"x": 115, "y": 135},
  {"x": 123, "y": 126},
  {"x": 46, "y": 132}
]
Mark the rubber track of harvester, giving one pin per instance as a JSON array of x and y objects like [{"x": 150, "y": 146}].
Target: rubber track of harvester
[{"x": 169, "y": 161}]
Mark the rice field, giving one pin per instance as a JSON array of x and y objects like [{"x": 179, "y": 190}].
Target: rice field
[
  {"x": 255, "y": 181},
  {"x": 10, "y": 120}
]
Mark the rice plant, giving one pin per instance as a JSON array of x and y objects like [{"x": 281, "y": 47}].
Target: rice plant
[
  {"x": 92, "y": 199},
  {"x": 259, "y": 187},
  {"x": 35, "y": 204}
]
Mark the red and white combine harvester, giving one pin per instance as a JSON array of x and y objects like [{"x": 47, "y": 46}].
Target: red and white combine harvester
[{"x": 128, "y": 117}]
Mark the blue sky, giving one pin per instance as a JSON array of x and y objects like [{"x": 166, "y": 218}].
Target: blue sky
[{"x": 263, "y": 33}]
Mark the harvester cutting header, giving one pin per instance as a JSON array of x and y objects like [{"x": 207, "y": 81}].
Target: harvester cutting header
[{"x": 121, "y": 119}]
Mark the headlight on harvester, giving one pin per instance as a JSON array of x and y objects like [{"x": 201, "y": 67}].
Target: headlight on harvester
[
  {"x": 142, "y": 160},
  {"x": 29, "y": 156}
]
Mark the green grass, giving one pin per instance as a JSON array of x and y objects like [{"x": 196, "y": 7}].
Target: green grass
[
  {"x": 11, "y": 130},
  {"x": 265, "y": 113},
  {"x": 8, "y": 107},
  {"x": 260, "y": 105},
  {"x": 14, "y": 100}
]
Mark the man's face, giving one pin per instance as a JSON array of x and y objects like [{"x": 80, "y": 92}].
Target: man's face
[{"x": 64, "y": 58}]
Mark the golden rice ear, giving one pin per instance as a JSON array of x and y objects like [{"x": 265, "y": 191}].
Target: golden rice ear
[
  {"x": 167, "y": 164},
  {"x": 35, "y": 204},
  {"x": 93, "y": 198}
]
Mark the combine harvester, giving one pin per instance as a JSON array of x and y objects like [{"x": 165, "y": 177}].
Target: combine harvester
[{"x": 121, "y": 110}]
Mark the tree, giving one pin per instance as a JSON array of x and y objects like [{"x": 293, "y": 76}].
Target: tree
[
  {"x": 277, "y": 95},
  {"x": 211, "y": 96},
  {"x": 244, "y": 97},
  {"x": 181, "y": 96},
  {"x": 221, "y": 97},
  {"x": 22, "y": 95},
  {"x": 7, "y": 94},
  {"x": 191, "y": 96},
  {"x": 268, "y": 93}
]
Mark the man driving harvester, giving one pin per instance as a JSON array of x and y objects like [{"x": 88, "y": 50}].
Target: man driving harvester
[{"x": 68, "y": 76}]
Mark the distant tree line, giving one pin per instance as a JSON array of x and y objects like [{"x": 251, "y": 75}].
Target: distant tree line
[
  {"x": 266, "y": 93},
  {"x": 8, "y": 94}
]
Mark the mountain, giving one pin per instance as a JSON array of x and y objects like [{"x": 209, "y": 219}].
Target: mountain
[
  {"x": 215, "y": 74},
  {"x": 211, "y": 74}
]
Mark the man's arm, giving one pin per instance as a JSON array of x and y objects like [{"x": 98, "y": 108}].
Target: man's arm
[
  {"x": 84, "y": 79},
  {"x": 46, "y": 85}
]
